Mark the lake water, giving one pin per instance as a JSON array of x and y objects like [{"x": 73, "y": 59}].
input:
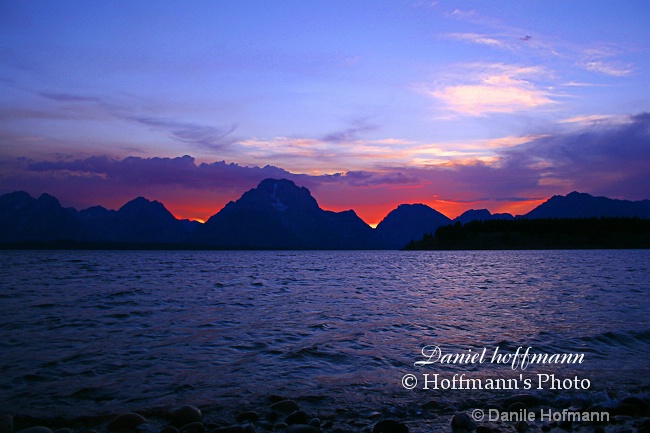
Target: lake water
[{"x": 91, "y": 332}]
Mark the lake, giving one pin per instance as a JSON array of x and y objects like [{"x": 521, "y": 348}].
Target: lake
[{"x": 92, "y": 332}]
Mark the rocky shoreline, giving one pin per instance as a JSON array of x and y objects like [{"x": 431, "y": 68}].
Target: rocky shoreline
[{"x": 521, "y": 413}]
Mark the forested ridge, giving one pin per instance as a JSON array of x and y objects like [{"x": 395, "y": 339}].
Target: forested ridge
[{"x": 545, "y": 233}]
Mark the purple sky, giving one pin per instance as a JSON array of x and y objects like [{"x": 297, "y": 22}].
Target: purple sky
[{"x": 456, "y": 104}]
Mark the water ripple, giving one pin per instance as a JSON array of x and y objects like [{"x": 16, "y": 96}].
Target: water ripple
[{"x": 102, "y": 330}]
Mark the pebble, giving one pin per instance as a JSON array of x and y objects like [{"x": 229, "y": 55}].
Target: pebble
[
  {"x": 462, "y": 421},
  {"x": 183, "y": 415},
  {"x": 644, "y": 427},
  {"x": 390, "y": 426},
  {"x": 642, "y": 406},
  {"x": 528, "y": 399},
  {"x": 301, "y": 428},
  {"x": 37, "y": 429},
  {"x": 626, "y": 409},
  {"x": 273, "y": 398},
  {"x": 6, "y": 424},
  {"x": 193, "y": 427},
  {"x": 432, "y": 405},
  {"x": 286, "y": 406},
  {"x": 229, "y": 429},
  {"x": 521, "y": 426},
  {"x": 126, "y": 422},
  {"x": 297, "y": 417},
  {"x": 517, "y": 406},
  {"x": 285, "y": 416},
  {"x": 249, "y": 416}
]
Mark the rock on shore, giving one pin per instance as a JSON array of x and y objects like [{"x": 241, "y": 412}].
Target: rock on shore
[{"x": 630, "y": 414}]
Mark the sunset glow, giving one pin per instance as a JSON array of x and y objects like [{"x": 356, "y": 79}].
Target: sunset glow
[{"x": 457, "y": 105}]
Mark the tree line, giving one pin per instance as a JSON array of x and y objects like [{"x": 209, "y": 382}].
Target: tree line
[{"x": 551, "y": 233}]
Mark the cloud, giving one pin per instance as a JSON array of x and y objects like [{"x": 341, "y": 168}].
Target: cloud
[
  {"x": 496, "y": 88},
  {"x": 606, "y": 157},
  {"x": 134, "y": 172},
  {"x": 506, "y": 39},
  {"x": 476, "y": 38},
  {"x": 341, "y": 151},
  {"x": 596, "y": 118},
  {"x": 205, "y": 136},
  {"x": 69, "y": 97},
  {"x": 465, "y": 14},
  {"x": 612, "y": 69},
  {"x": 201, "y": 136},
  {"x": 349, "y": 134},
  {"x": 368, "y": 178},
  {"x": 188, "y": 188},
  {"x": 600, "y": 58}
]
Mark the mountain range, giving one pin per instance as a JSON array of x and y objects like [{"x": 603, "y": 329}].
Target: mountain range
[{"x": 277, "y": 214}]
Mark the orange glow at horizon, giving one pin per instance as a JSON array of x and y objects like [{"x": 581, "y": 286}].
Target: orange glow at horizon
[
  {"x": 183, "y": 217},
  {"x": 520, "y": 207},
  {"x": 373, "y": 213},
  {"x": 199, "y": 212}
]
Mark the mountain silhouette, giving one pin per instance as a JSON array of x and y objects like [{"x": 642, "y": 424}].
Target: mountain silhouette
[
  {"x": 409, "y": 222},
  {"x": 581, "y": 205},
  {"x": 481, "y": 215},
  {"x": 25, "y": 219},
  {"x": 140, "y": 220},
  {"x": 277, "y": 214}
]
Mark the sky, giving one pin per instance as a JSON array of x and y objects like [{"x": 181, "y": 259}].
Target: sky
[{"x": 455, "y": 104}]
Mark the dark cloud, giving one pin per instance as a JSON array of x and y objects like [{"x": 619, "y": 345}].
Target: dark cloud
[
  {"x": 369, "y": 178},
  {"x": 208, "y": 137},
  {"x": 69, "y": 97},
  {"x": 111, "y": 182},
  {"x": 605, "y": 158},
  {"x": 610, "y": 159},
  {"x": 349, "y": 134},
  {"x": 136, "y": 172}
]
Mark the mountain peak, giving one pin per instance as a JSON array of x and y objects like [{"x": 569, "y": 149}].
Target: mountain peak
[
  {"x": 278, "y": 195},
  {"x": 279, "y": 214},
  {"x": 480, "y": 215},
  {"x": 140, "y": 203},
  {"x": 583, "y": 205},
  {"x": 15, "y": 200},
  {"x": 48, "y": 200},
  {"x": 409, "y": 222}
]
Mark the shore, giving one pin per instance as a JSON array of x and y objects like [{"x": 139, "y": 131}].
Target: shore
[{"x": 603, "y": 412}]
